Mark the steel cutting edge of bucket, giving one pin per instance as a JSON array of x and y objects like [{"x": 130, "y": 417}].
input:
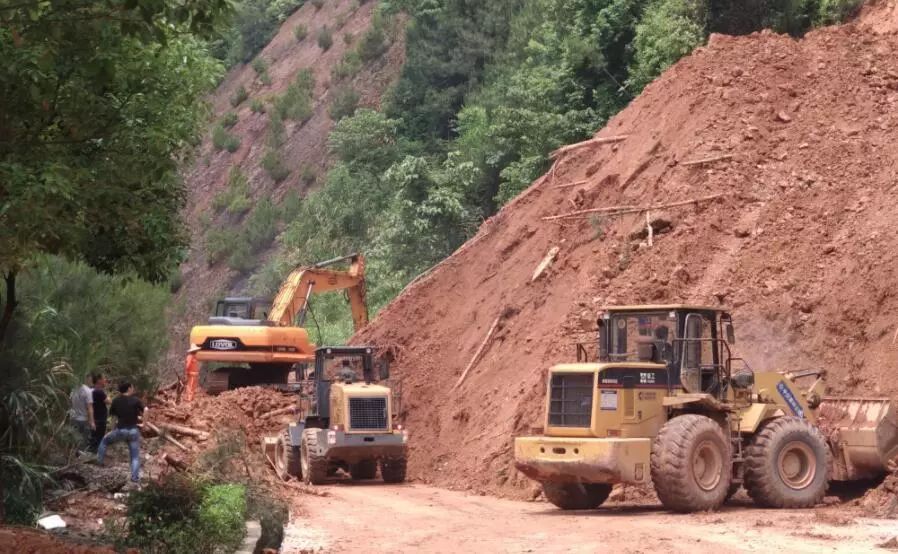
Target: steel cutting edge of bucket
[{"x": 862, "y": 433}]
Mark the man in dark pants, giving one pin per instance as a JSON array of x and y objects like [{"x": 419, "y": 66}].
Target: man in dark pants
[
  {"x": 101, "y": 403},
  {"x": 129, "y": 411}
]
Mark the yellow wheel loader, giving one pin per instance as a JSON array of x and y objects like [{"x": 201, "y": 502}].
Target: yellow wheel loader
[
  {"x": 667, "y": 403},
  {"x": 259, "y": 342},
  {"x": 346, "y": 423}
]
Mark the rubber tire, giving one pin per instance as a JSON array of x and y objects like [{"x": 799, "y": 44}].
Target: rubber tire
[
  {"x": 671, "y": 458},
  {"x": 314, "y": 466},
  {"x": 576, "y": 496},
  {"x": 393, "y": 470},
  {"x": 292, "y": 463},
  {"x": 734, "y": 488},
  {"x": 762, "y": 478},
  {"x": 366, "y": 469}
]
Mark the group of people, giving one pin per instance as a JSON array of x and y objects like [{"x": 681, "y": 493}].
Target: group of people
[{"x": 90, "y": 410}]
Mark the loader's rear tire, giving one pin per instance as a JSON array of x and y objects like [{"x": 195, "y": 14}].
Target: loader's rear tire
[
  {"x": 576, "y": 496},
  {"x": 288, "y": 458},
  {"x": 314, "y": 465},
  {"x": 393, "y": 469},
  {"x": 787, "y": 464},
  {"x": 691, "y": 464},
  {"x": 366, "y": 469}
]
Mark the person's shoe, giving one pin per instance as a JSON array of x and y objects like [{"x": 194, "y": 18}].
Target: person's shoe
[{"x": 132, "y": 486}]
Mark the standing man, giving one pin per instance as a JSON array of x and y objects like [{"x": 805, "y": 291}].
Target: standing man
[
  {"x": 191, "y": 373},
  {"x": 101, "y": 403},
  {"x": 81, "y": 414},
  {"x": 129, "y": 411}
]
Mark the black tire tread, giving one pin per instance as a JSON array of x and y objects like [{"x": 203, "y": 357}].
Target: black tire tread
[
  {"x": 669, "y": 464},
  {"x": 393, "y": 470},
  {"x": 765, "y": 487},
  {"x": 317, "y": 463},
  {"x": 577, "y": 496},
  {"x": 292, "y": 456}
]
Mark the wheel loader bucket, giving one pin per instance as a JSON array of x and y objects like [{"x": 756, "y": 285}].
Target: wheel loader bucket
[{"x": 863, "y": 435}]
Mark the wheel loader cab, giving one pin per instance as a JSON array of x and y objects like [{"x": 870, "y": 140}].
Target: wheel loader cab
[
  {"x": 686, "y": 340},
  {"x": 341, "y": 366}
]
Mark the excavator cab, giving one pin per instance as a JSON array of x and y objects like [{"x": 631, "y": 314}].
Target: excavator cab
[{"x": 241, "y": 311}]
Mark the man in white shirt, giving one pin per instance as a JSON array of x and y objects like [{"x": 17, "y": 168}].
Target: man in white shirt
[{"x": 81, "y": 414}]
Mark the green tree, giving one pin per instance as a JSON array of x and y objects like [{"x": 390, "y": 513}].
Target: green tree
[{"x": 669, "y": 30}]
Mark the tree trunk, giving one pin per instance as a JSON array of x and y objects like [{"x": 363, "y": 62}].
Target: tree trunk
[{"x": 10, "y": 305}]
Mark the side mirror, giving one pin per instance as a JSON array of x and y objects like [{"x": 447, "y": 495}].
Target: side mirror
[
  {"x": 384, "y": 370},
  {"x": 731, "y": 334}
]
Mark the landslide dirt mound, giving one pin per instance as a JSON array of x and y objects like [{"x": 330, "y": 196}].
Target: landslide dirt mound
[
  {"x": 802, "y": 246},
  {"x": 305, "y": 144}
]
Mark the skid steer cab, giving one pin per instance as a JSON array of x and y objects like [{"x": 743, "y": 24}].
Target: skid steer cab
[
  {"x": 667, "y": 403},
  {"x": 347, "y": 422}
]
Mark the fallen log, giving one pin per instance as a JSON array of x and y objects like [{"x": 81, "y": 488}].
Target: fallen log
[
  {"x": 179, "y": 465},
  {"x": 166, "y": 436},
  {"x": 477, "y": 354},
  {"x": 545, "y": 263},
  {"x": 586, "y": 144},
  {"x": 182, "y": 430},
  {"x": 623, "y": 210},
  {"x": 570, "y": 185},
  {"x": 279, "y": 411},
  {"x": 708, "y": 160}
]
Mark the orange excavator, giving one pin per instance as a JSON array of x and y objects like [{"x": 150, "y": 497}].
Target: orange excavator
[{"x": 253, "y": 341}]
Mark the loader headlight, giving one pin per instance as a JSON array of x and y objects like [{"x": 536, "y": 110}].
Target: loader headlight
[{"x": 331, "y": 438}]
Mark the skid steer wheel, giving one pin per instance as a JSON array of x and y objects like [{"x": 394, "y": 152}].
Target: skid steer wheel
[
  {"x": 393, "y": 469},
  {"x": 576, "y": 496},
  {"x": 787, "y": 464},
  {"x": 287, "y": 457},
  {"x": 691, "y": 464},
  {"x": 314, "y": 465},
  {"x": 366, "y": 469}
]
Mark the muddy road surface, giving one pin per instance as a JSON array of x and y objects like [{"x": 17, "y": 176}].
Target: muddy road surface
[{"x": 373, "y": 517}]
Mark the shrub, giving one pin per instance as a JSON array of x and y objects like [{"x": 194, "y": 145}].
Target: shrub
[
  {"x": 373, "y": 43},
  {"x": 257, "y": 106},
  {"x": 325, "y": 39},
  {"x": 222, "y": 513},
  {"x": 348, "y": 37},
  {"x": 261, "y": 225},
  {"x": 222, "y": 140},
  {"x": 308, "y": 174},
  {"x": 836, "y": 11},
  {"x": 241, "y": 257},
  {"x": 317, "y": 4},
  {"x": 239, "y": 96},
  {"x": 274, "y": 166},
  {"x": 291, "y": 204},
  {"x": 346, "y": 100},
  {"x": 229, "y": 120},
  {"x": 296, "y": 102},
  {"x": 668, "y": 30},
  {"x": 275, "y": 130},
  {"x": 348, "y": 66},
  {"x": 300, "y": 32},
  {"x": 219, "y": 243},
  {"x": 235, "y": 198},
  {"x": 260, "y": 66}
]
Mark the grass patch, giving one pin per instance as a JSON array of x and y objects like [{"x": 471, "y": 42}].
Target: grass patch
[
  {"x": 296, "y": 102},
  {"x": 239, "y": 96},
  {"x": 235, "y": 198},
  {"x": 346, "y": 101},
  {"x": 257, "y": 106},
  {"x": 274, "y": 166},
  {"x": 300, "y": 32},
  {"x": 229, "y": 120},
  {"x": 325, "y": 38},
  {"x": 348, "y": 66},
  {"x": 223, "y": 140}
]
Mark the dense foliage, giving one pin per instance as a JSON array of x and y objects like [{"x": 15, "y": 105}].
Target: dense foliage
[{"x": 488, "y": 89}]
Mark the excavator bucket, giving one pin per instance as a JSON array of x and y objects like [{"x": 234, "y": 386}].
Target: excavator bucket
[{"x": 863, "y": 435}]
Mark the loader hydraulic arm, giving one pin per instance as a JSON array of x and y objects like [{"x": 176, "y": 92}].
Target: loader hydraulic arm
[{"x": 293, "y": 298}]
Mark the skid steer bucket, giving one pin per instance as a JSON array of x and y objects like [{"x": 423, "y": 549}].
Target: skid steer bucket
[{"x": 863, "y": 435}]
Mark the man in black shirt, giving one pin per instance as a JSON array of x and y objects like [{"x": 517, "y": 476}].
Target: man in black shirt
[
  {"x": 129, "y": 411},
  {"x": 101, "y": 404}
]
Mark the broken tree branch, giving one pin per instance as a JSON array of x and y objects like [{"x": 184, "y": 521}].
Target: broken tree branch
[
  {"x": 586, "y": 144},
  {"x": 182, "y": 430},
  {"x": 179, "y": 465},
  {"x": 545, "y": 263},
  {"x": 477, "y": 354},
  {"x": 708, "y": 160},
  {"x": 623, "y": 210},
  {"x": 166, "y": 436},
  {"x": 569, "y": 185},
  {"x": 279, "y": 411}
]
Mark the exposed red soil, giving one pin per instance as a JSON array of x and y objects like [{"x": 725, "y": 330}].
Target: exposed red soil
[
  {"x": 21, "y": 540},
  {"x": 803, "y": 247},
  {"x": 305, "y": 144}
]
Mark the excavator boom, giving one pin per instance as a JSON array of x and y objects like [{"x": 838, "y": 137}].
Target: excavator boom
[{"x": 292, "y": 299}]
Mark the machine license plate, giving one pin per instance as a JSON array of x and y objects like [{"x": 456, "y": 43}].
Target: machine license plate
[{"x": 608, "y": 400}]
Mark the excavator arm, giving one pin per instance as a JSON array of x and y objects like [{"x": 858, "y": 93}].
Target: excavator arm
[{"x": 292, "y": 300}]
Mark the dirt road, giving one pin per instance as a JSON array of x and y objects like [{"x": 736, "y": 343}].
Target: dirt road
[{"x": 373, "y": 517}]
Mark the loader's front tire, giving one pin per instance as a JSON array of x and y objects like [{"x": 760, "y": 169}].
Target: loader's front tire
[
  {"x": 691, "y": 464},
  {"x": 366, "y": 469},
  {"x": 314, "y": 465},
  {"x": 393, "y": 469},
  {"x": 787, "y": 464},
  {"x": 288, "y": 456},
  {"x": 576, "y": 496}
]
